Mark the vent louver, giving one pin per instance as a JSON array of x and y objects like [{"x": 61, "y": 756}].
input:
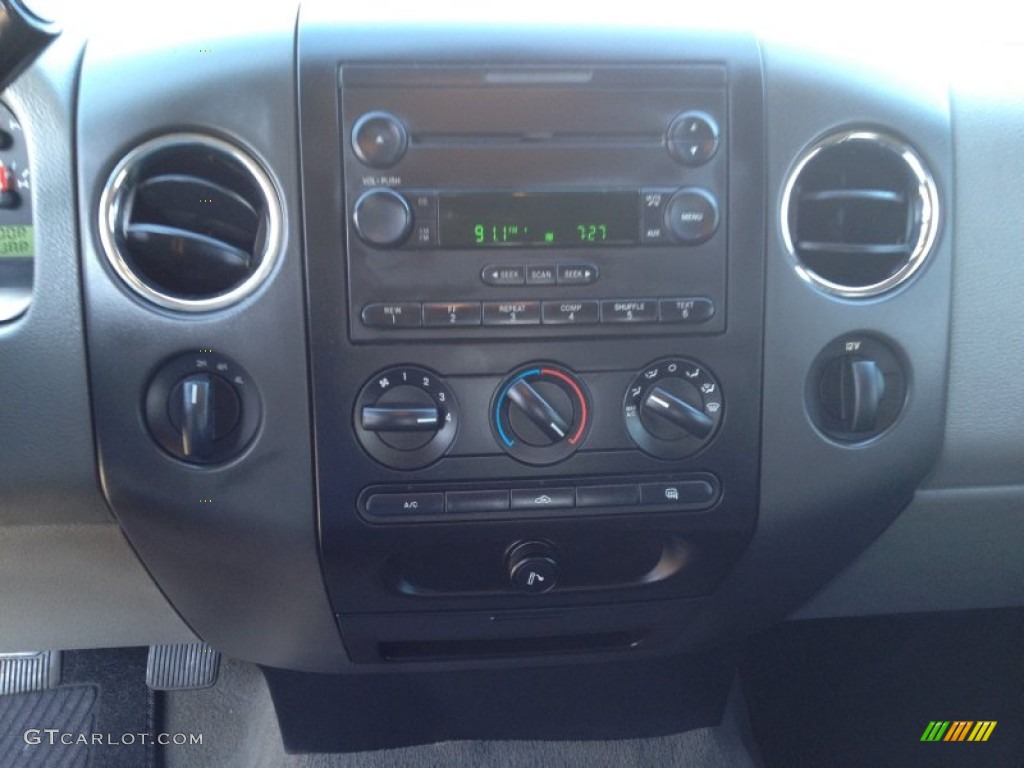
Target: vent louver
[
  {"x": 859, "y": 214},
  {"x": 190, "y": 222}
]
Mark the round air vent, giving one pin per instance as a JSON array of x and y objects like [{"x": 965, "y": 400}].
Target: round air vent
[
  {"x": 190, "y": 222},
  {"x": 860, "y": 214}
]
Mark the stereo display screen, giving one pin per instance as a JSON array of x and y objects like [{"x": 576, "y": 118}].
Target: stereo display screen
[{"x": 538, "y": 219}]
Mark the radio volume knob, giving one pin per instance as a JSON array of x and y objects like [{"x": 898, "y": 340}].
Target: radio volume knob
[{"x": 382, "y": 218}]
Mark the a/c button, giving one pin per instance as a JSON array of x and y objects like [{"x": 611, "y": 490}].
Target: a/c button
[{"x": 395, "y": 504}]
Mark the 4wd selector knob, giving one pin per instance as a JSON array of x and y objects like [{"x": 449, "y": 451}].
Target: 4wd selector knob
[
  {"x": 406, "y": 417},
  {"x": 540, "y": 414},
  {"x": 672, "y": 408}
]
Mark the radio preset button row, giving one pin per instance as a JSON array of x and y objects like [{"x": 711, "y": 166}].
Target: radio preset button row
[
  {"x": 688, "y": 493},
  {"x": 691, "y": 310}
]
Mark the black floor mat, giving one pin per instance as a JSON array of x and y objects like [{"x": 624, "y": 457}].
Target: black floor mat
[
  {"x": 97, "y": 717},
  {"x": 25, "y": 718},
  {"x": 863, "y": 692}
]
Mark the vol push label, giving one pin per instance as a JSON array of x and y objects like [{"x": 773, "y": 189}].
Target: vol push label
[{"x": 16, "y": 241}]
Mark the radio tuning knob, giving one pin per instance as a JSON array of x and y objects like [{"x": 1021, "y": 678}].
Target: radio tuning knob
[{"x": 382, "y": 218}]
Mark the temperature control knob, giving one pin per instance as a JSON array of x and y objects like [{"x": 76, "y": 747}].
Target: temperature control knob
[
  {"x": 406, "y": 417},
  {"x": 673, "y": 408},
  {"x": 541, "y": 414}
]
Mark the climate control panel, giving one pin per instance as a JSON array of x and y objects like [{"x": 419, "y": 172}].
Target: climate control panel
[{"x": 539, "y": 414}]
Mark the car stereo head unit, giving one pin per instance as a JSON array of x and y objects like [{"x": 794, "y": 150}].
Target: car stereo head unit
[{"x": 564, "y": 202}]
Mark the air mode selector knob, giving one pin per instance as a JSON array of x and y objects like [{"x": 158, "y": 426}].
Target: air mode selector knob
[
  {"x": 673, "y": 408},
  {"x": 382, "y": 218}
]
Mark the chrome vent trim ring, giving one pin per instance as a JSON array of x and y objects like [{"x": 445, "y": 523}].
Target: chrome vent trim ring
[
  {"x": 928, "y": 224},
  {"x": 119, "y": 187}
]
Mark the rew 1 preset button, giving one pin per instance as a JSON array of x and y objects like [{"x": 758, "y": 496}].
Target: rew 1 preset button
[{"x": 405, "y": 314}]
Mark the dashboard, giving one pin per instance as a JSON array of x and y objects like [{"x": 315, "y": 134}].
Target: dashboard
[{"x": 355, "y": 345}]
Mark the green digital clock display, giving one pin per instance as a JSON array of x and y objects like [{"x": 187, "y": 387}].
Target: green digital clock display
[
  {"x": 16, "y": 241},
  {"x": 538, "y": 219}
]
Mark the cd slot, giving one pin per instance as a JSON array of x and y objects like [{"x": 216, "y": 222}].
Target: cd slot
[{"x": 559, "y": 139}]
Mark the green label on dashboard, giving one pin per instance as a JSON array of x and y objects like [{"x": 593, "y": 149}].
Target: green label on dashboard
[{"x": 16, "y": 241}]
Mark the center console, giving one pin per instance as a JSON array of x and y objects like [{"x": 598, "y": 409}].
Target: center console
[
  {"x": 535, "y": 302},
  {"x": 474, "y": 346}
]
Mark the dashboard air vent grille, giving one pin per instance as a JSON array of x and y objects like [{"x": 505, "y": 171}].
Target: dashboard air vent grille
[
  {"x": 860, "y": 214},
  {"x": 190, "y": 222}
]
